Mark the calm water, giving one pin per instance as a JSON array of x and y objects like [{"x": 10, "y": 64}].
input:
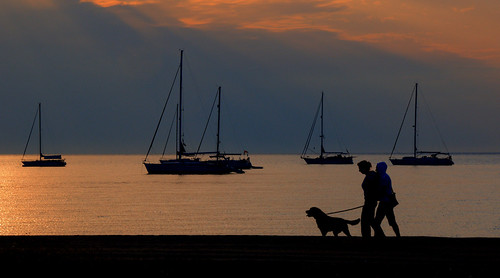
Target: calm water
[{"x": 113, "y": 194}]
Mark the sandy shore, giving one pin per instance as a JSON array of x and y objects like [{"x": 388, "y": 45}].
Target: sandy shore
[{"x": 249, "y": 256}]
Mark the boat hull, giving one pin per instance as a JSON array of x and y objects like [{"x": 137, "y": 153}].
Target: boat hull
[
  {"x": 189, "y": 168},
  {"x": 422, "y": 161},
  {"x": 44, "y": 163},
  {"x": 329, "y": 160},
  {"x": 239, "y": 163}
]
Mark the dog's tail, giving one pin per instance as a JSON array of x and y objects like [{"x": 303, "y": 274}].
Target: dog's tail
[{"x": 353, "y": 222}]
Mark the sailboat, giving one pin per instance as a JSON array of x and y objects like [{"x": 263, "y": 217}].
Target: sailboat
[
  {"x": 184, "y": 163},
  {"x": 241, "y": 162},
  {"x": 324, "y": 157},
  {"x": 429, "y": 158},
  {"x": 43, "y": 160}
]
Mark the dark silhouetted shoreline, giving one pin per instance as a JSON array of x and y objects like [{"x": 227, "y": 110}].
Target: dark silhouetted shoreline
[{"x": 249, "y": 256}]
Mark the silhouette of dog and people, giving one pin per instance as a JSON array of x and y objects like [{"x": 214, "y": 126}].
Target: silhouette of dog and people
[{"x": 377, "y": 190}]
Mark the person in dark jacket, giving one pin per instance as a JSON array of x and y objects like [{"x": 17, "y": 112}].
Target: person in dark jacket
[
  {"x": 385, "y": 208},
  {"x": 370, "y": 187}
]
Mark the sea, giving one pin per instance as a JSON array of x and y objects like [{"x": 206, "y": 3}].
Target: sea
[{"x": 114, "y": 195}]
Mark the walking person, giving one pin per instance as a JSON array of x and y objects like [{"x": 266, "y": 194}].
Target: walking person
[
  {"x": 370, "y": 187},
  {"x": 386, "y": 205}
]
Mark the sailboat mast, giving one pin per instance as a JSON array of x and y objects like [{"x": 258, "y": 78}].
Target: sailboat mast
[
  {"x": 322, "y": 136},
  {"x": 180, "y": 147},
  {"x": 40, "y": 128},
  {"x": 415, "y": 123},
  {"x": 218, "y": 124},
  {"x": 177, "y": 130}
]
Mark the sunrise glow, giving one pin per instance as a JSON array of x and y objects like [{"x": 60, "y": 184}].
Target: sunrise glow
[
  {"x": 112, "y": 3},
  {"x": 408, "y": 27},
  {"x": 176, "y": 126},
  {"x": 278, "y": 48}
]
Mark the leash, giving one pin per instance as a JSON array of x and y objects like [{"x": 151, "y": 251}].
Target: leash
[{"x": 345, "y": 210}]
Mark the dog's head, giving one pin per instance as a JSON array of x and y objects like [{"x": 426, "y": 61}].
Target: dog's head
[{"x": 314, "y": 212}]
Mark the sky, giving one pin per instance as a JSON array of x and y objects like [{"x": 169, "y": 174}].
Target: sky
[{"x": 102, "y": 70}]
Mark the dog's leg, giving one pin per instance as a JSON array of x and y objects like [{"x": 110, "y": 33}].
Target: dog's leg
[
  {"x": 346, "y": 231},
  {"x": 323, "y": 232}
]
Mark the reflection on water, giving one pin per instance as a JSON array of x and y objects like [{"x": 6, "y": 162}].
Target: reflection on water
[{"x": 112, "y": 194}]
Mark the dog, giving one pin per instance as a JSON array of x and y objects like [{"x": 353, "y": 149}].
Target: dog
[{"x": 327, "y": 223}]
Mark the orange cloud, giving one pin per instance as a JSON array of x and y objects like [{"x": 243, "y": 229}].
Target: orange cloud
[
  {"x": 457, "y": 28},
  {"x": 193, "y": 22},
  {"x": 111, "y": 3},
  {"x": 463, "y": 10},
  {"x": 378, "y": 37}
]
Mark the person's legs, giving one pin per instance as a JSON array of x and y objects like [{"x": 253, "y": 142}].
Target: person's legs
[
  {"x": 367, "y": 216},
  {"x": 379, "y": 216},
  {"x": 392, "y": 221}
]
